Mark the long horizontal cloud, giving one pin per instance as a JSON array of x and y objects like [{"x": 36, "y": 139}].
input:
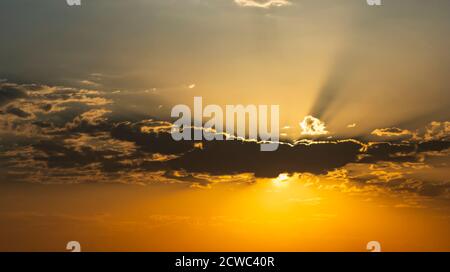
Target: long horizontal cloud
[{"x": 234, "y": 157}]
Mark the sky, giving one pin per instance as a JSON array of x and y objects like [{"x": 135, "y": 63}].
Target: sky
[{"x": 86, "y": 152}]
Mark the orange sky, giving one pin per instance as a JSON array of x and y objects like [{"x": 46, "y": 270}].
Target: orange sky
[
  {"x": 86, "y": 152},
  {"x": 294, "y": 215}
]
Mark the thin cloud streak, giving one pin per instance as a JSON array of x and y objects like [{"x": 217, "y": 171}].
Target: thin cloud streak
[{"x": 262, "y": 4}]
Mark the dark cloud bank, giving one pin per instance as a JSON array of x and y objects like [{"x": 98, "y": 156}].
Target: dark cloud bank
[{"x": 70, "y": 130}]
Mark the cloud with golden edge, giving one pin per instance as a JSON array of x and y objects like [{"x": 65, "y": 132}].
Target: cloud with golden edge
[{"x": 313, "y": 126}]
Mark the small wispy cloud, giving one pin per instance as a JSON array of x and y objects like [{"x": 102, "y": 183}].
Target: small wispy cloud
[
  {"x": 262, "y": 3},
  {"x": 391, "y": 132},
  {"x": 90, "y": 83}
]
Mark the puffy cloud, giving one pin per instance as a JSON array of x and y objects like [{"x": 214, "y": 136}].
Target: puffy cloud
[
  {"x": 313, "y": 126},
  {"x": 435, "y": 131},
  {"x": 33, "y": 109},
  {"x": 92, "y": 119}
]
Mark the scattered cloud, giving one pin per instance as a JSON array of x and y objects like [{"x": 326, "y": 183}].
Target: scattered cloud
[
  {"x": 88, "y": 120},
  {"x": 435, "y": 131},
  {"x": 391, "y": 132},
  {"x": 10, "y": 92},
  {"x": 90, "y": 83},
  {"x": 262, "y": 3}
]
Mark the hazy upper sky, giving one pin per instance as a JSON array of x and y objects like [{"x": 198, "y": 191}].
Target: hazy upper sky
[{"x": 328, "y": 58}]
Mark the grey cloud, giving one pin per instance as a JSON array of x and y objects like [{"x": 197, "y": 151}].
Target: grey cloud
[
  {"x": 17, "y": 112},
  {"x": 10, "y": 92}
]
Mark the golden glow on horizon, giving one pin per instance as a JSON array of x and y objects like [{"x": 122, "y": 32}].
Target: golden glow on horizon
[
  {"x": 281, "y": 179},
  {"x": 311, "y": 214}
]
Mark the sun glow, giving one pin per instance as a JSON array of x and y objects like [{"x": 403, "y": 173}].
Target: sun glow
[{"x": 281, "y": 179}]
